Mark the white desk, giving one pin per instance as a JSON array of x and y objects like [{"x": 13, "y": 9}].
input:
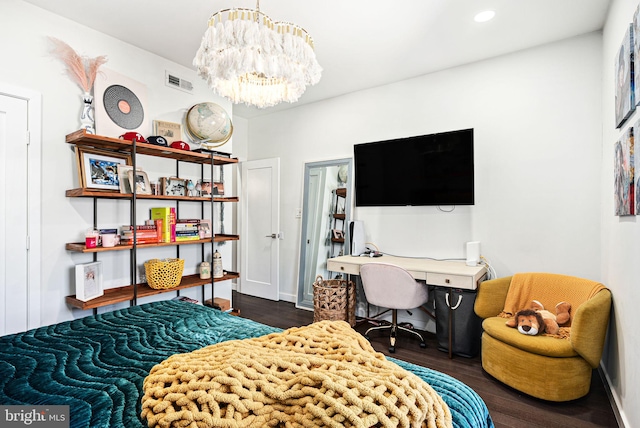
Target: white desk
[{"x": 452, "y": 274}]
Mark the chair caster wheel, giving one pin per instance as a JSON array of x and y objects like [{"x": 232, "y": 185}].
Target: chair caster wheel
[
  {"x": 392, "y": 349},
  {"x": 423, "y": 345}
]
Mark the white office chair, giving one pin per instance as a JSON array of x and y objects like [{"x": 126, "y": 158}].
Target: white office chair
[{"x": 391, "y": 286}]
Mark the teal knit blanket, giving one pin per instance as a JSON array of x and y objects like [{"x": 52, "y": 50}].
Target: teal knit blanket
[{"x": 96, "y": 365}]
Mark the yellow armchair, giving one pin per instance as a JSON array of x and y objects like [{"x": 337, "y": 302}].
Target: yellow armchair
[{"x": 546, "y": 367}]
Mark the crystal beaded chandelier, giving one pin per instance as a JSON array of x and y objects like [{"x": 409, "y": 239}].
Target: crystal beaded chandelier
[{"x": 248, "y": 58}]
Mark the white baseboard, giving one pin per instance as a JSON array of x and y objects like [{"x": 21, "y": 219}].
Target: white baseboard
[
  {"x": 613, "y": 398},
  {"x": 291, "y": 298}
]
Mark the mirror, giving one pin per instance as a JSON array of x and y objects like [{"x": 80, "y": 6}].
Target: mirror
[{"x": 326, "y": 209}]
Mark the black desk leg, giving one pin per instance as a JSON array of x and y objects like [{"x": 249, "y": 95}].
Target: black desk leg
[{"x": 450, "y": 325}]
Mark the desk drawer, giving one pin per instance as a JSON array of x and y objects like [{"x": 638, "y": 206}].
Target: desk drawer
[
  {"x": 346, "y": 268},
  {"x": 453, "y": 281}
]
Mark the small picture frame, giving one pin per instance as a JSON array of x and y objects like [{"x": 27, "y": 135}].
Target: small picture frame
[
  {"x": 208, "y": 188},
  {"x": 204, "y": 228},
  {"x": 338, "y": 234},
  {"x": 141, "y": 180},
  {"x": 98, "y": 169},
  {"x": 123, "y": 177},
  {"x": 171, "y": 131},
  {"x": 205, "y": 187},
  {"x": 174, "y": 186},
  {"x": 89, "y": 281},
  {"x": 218, "y": 188}
]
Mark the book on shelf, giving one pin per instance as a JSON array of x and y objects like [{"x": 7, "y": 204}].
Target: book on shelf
[
  {"x": 129, "y": 235},
  {"x": 129, "y": 241},
  {"x": 144, "y": 233},
  {"x": 187, "y": 225},
  {"x": 188, "y": 221},
  {"x": 172, "y": 218},
  {"x": 164, "y": 214},
  {"x": 186, "y": 232},
  {"x": 187, "y": 238},
  {"x": 152, "y": 226}
]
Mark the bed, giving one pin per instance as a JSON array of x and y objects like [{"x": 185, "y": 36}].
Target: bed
[{"x": 96, "y": 365}]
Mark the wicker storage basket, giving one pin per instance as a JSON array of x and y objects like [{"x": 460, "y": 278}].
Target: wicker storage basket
[
  {"x": 334, "y": 299},
  {"x": 163, "y": 273}
]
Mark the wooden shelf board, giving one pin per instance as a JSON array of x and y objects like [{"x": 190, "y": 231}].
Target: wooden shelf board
[
  {"x": 81, "y": 138},
  {"x": 219, "y": 237},
  {"x": 340, "y": 240},
  {"x": 82, "y": 248},
  {"x": 124, "y": 294},
  {"x": 339, "y": 216},
  {"x": 341, "y": 191},
  {"x": 92, "y": 193}
]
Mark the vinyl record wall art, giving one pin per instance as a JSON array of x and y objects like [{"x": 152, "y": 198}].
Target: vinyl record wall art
[{"x": 120, "y": 105}]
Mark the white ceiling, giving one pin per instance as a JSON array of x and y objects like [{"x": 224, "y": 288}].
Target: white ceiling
[{"x": 359, "y": 43}]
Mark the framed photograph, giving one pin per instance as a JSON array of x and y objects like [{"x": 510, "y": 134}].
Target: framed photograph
[
  {"x": 204, "y": 187},
  {"x": 123, "y": 178},
  {"x": 141, "y": 180},
  {"x": 623, "y": 169},
  {"x": 624, "y": 91},
  {"x": 169, "y": 130},
  {"x": 636, "y": 55},
  {"x": 204, "y": 228},
  {"x": 218, "y": 188},
  {"x": 98, "y": 169},
  {"x": 208, "y": 188},
  {"x": 174, "y": 186},
  {"x": 89, "y": 281}
]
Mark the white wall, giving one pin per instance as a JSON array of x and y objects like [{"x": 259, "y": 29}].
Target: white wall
[
  {"x": 536, "y": 116},
  {"x": 620, "y": 250},
  {"x": 26, "y": 62}
]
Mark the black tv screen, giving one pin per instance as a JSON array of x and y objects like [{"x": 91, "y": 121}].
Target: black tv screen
[{"x": 434, "y": 169}]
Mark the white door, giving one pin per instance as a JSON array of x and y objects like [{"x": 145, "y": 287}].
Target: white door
[
  {"x": 16, "y": 278},
  {"x": 260, "y": 244}
]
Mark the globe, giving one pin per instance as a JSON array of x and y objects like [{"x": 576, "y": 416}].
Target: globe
[{"x": 209, "y": 124}]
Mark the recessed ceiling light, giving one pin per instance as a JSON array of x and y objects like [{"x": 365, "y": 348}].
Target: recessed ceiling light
[{"x": 485, "y": 16}]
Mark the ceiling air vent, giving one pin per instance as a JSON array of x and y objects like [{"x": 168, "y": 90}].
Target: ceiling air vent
[{"x": 174, "y": 81}]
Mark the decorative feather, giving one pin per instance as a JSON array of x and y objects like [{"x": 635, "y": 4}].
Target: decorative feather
[{"x": 81, "y": 69}]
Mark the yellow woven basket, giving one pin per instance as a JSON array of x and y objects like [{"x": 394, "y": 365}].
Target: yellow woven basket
[{"x": 164, "y": 273}]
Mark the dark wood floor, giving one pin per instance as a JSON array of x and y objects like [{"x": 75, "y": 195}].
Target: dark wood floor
[{"x": 508, "y": 408}]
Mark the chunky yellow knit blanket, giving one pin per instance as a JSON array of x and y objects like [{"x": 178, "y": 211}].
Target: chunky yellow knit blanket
[{"x": 322, "y": 375}]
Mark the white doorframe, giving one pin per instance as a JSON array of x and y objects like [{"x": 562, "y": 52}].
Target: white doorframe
[{"x": 34, "y": 210}]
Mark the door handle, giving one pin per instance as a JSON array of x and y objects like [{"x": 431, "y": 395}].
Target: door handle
[{"x": 272, "y": 236}]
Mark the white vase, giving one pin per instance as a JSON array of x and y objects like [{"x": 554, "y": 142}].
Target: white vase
[{"x": 86, "y": 117}]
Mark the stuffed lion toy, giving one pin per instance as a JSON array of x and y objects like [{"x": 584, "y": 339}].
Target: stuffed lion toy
[{"x": 537, "y": 320}]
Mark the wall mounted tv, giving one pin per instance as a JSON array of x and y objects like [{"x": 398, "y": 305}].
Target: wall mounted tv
[{"x": 435, "y": 169}]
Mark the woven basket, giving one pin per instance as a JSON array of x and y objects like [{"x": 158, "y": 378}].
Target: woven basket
[
  {"x": 334, "y": 299},
  {"x": 163, "y": 273}
]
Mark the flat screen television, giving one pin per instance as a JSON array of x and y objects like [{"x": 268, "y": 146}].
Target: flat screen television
[{"x": 434, "y": 169}]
